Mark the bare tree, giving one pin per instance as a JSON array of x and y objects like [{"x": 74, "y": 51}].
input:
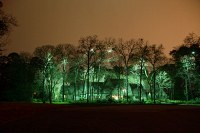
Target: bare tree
[
  {"x": 126, "y": 50},
  {"x": 64, "y": 55},
  {"x": 156, "y": 58},
  {"x": 118, "y": 70},
  {"x": 142, "y": 57},
  {"x": 102, "y": 59},
  {"x": 192, "y": 39},
  {"x": 77, "y": 71},
  {"x": 87, "y": 46}
]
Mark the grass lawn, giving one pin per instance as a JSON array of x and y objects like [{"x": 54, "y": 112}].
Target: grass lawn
[{"x": 36, "y": 118}]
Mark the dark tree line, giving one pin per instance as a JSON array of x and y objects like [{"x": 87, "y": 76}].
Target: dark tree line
[
  {"x": 16, "y": 78},
  {"x": 132, "y": 70},
  {"x": 84, "y": 65}
]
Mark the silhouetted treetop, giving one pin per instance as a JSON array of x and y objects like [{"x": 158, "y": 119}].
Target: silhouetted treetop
[{"x": 7, "y": 22}]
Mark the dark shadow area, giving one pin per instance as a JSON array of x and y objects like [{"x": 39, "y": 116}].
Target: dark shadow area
[{"x": 40, "y": 118}]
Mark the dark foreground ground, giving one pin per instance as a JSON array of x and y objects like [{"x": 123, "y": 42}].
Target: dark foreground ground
[{"x": 39, "y": 118}]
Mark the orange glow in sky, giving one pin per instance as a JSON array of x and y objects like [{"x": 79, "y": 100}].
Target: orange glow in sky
[{"x": 43, "y": 22}]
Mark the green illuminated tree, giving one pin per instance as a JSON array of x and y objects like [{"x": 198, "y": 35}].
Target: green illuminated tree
[
  {"x": 170, "y": 69},
  {"x": 186, "y": 69},
  {"x": 186, "y": 58},
  {"x": 46, "y": 53},
  {"x": 64, "y": 55},
  {"x": 164, "y": 83}
]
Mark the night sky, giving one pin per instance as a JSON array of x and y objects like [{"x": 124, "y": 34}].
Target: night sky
[{"x": 65, "y": 21}]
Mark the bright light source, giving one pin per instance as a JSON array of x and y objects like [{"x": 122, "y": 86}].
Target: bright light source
[
  {"x": 115, "y": 97},
  {"x": 110, "y": 50},
  {"x": 124, "y": 90},
  {"x": 193, "y": 52},
  {"x": 92, "y": 50}
]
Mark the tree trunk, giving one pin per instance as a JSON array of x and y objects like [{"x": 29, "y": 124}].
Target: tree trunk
[
  {"x": 63, "y": 88},
  {"x": 119, "y": 95},
  {"x": 92, "y": 90},
  {"x": 151, "y": 92},
  {"x": 50, "y": 92},
  {"x": 127, "y": 83},
  {"x": 75, "y": 76},
  {"x": 154, "y": 85},
  {"x": 141, "y": 66},
  {"x": 98, "y": 81},
  {"x": 88, "y": 76},
  {"x": 186, "y": 89},
  {"x": 84, "y": 85},
  {"x": 43, "y": 90},
  {"x": 189, "y": 84}
]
